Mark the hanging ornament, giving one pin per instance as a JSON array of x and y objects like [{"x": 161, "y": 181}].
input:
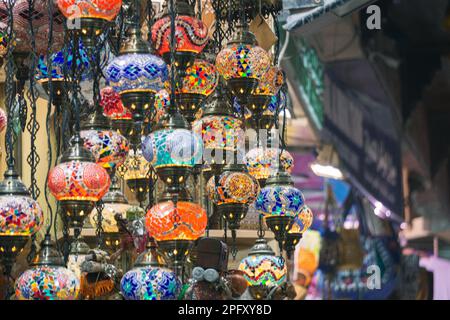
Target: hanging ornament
[
  {"x": 113, "y": 108},
  {"x": 150, "y": 279},
  {"x": 47, "y": 279},
  {"x": 263, "y": 270},
  {"x": 109, "y": 147},
  {"x": 115, "y": 204},
  {"x": 280, "y": 204},
  {"x": 138, "y": 174},
  {"x": 262, "y": 162},
  {"x": 162, "y": 103},
  {"x": 89, "y": 17},
  {"x": 191, "y": 34},
  {"x": 78, "y": 182},
  {"x": 197, "y": 84},
  {"x": 175, "y": 226},
  {"x": 232, "y": 192},
  {"x": 301, "y": 224},
  {"x": 20, "y": 218},
  {"x": 220, "y": 130},
  {"x": 242, "y": 63},
  {"x": 39, "y": 16},
  {"x": 258, "y": 102}
]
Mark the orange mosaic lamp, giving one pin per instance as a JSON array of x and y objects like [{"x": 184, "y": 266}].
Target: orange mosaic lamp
[
  {"x": 303, "y": 221},
  {"x": 191, "y": 35},
  {"x": 89, "y": 16},
  {"x": 175, "y": 226},
  {"x": 78, "y": 182}
]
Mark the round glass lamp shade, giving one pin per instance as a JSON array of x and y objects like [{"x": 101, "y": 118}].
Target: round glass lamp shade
[
  {"x": 172, "y": 147},
  {"x": 59, "y": 64},
  {"x": 242, "y": 61},
  {"x": 185, "y": 221},
  {"x": 201, "y": 78},
  {"x": 219, "y": 132},
  {"x": 109, "y": 211},
  {"x": 303, "y": 221},
  {"x": 137, "y": 72},
  {"x": 99, "y": 9},
  {"x": 263, "y": 270},
  {"x": 233, "y": 187},
  {"x": 280, "y": 200},
  {"x": 150, "y": 283},
  {"x": 19, "y": 216},
  {"x": 78, "y": 180},
  {"x": 109, "y": 148},
  {"x": 3, "y": 120},
  {"x": 191, "y": 35},
  {"x": 47, "y": 283},
  {"x": 263, "y": 162},
  {"x": 270, "y": 83},
  {"x": 112, "y": 105},
  {"x": 40, "y": 18},
  {"x": 136, "y": 167}
]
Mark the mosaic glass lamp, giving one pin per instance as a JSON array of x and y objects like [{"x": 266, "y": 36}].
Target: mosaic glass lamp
[
  {"x": 78, "y": 182},
  {"x": 115, "y": 203},
  {"x": 175, "y": 226},
  {"x": 108, "y": 147},
  {"x": 89, "y": 17},
  {"x": 269, "y": 85},
  {"x": 232, "y": 192},
  {"x": 197, "y": 84},
  {"x": 191, "y": 34},
  {"x": 150, "y": 279},
  {"x": 280, "y": 203},
  {"x": 301, "y": 224},
  {"x": 137, "y": 173},
  {"x": 263, "y": 270},
  {"x": 262, "y": 162},
  {"x": 113, "y": 108},
  {"x": 136, "y": 74},
  {"x": 220, "y": 130},
  {"x": 39, "y": 15},
  {"x": 20, "y": 218},
  {"x": 57, "y": 72},
  {"x": 162, "y": 103},
  {"x": 242, "y": 63},
  {"x": 48, "y": 278}
]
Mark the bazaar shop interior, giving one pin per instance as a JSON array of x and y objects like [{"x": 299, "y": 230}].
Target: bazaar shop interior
[{"x": 224, "y": 150}]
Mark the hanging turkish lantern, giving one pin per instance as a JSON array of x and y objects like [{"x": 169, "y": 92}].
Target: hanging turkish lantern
[
  {"x": 60, "y": 62},
  {"x": 136, "y": 74},
  {"x": 78, "y": 182},
  {"x": 150, "y": 279},
  {"x": 301, "y": 224},
  {"x": 89, "y": 17},
  {"x": 41, "y": 27},
  {"x": 258, "y": 102},
  {"x": 175, "y": 226},
  {"x": 280, "y": 203},
  {"x": 20, "y": 218},
  {"x": 198, "y": 83},
  {"x": 242, "y": 64},
  {"x": 220, "y": 130},
  {"x": 191, "y": 34},
  {"x": 113, "y": 108},
  {"x": 262, "y": 162},
  {"x": 109, "y": 147},
  {"x": 162, "y": 103},
  {"x": 263, "y": 270},
  {"x": 114, "y": 204},
  {"x": 48, "y": 278},
  {"x": 232, "y": 192},
  {"x": 137, "y": 173}
]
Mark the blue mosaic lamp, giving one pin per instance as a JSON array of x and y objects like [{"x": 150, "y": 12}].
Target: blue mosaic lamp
[
  {"x": 150, "y": 279},
  {"x": 280, "y": 203},
  {"x": 136, "y": 74}
]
